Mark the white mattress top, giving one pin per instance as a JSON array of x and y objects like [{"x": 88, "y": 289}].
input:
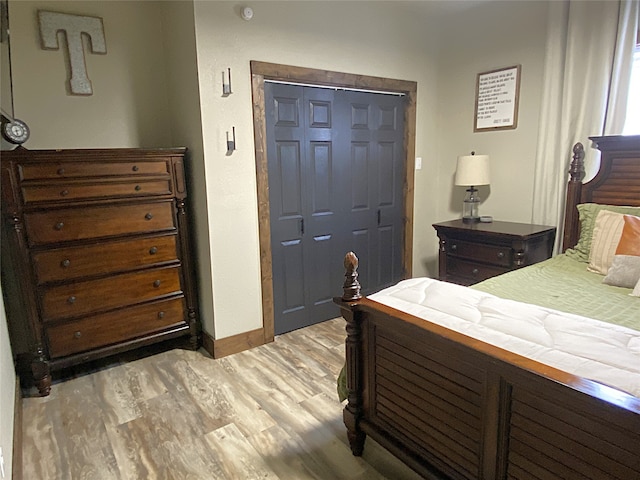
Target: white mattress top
[{"x": 606, "y": 353}]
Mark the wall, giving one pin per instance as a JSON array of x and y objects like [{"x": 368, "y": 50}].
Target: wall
[
  {"x": 179, "y": 41},
  {"x": 7, "y": 393},
  {"x": 490, "y": 36},
  {"x": 385, "y": 39},
  {"x": 129, "y": 106},
  {"x": 164, "y": 58}
]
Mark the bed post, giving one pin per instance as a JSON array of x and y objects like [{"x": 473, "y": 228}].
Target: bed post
[
  {"x": 574, "y": 193},
  {"x": 353, "y": 349}
]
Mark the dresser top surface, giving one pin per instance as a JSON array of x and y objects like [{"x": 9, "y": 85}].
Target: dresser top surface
[
  {"x": 24, "y": 154},
  {"x": 495, "y": 227}
]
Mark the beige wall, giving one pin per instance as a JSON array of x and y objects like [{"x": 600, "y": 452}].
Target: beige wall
[
  {"x": 488, "y": 36},
  {"x": 164, "y": 58},
  {"x": 383, "y": 39},
  {"x": 7, "y": 393},
  {"x": 129, "y": 106}
]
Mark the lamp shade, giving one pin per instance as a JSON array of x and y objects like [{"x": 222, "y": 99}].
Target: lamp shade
[{"x": 472, "y": 170}]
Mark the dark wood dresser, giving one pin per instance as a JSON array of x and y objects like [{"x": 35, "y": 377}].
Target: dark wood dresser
[
  {"x": 472, "y": 252},
  {"x": 96, "y": 255}
]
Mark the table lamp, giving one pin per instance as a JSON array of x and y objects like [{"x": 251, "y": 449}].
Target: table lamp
[{"x": 471, "y": 171}]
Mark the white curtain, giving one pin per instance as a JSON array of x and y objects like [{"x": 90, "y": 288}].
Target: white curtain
[{"x": 587, "y": 71}]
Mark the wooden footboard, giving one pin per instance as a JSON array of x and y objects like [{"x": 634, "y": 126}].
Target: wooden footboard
[{"x": 454, "y": 407}]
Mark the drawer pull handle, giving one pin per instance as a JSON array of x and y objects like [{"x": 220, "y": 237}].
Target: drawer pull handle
[
  {"x": 148, "y": 216},
  {"x": 64, "y": 193},
  {"x": 153, "y": 250},
  {"x": 71, "y": 300},
  {"x": 77, "y": 334},
  {"x": 59, "y": 226},
  {"x": 454, "y": 247},
  {"x": 160, "y": 314},
  {"x": 474, "y": 271},
  {"x": 138, "y": 188},
  {"x": 135, "y": 168},
  {"x": 61, "y": 171},
  {"x": 500, "y": 254},
  {"x": 156, "y": 283},
  {"x": 65, "y": 263}
]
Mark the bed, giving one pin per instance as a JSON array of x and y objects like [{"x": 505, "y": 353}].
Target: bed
[{"x": 454, "y": 405}]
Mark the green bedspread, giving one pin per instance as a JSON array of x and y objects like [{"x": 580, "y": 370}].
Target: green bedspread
[{"x": 565, "y": 284}]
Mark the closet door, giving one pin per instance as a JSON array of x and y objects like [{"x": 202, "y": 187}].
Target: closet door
[
  {"x": 329, "y": 162},
  {"x": 375, "y": 126}
]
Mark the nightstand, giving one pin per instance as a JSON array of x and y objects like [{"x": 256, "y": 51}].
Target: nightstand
[{"x": 472, "y": 252}]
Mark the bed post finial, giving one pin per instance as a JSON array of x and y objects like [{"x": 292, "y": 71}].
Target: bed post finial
[
  {"x": 574, "y": 194},
  {"x": 576, "y": 170},
  {"x": 351, "y": 287}
]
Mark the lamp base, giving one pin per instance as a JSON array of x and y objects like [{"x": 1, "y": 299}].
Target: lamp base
[{"x": 470, "y": 206}]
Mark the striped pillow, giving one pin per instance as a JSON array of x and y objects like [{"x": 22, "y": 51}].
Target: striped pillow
[{"x": 606, "y": 236}]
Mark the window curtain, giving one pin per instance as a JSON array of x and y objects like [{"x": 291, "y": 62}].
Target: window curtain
[{"x": 587, "y": 72}]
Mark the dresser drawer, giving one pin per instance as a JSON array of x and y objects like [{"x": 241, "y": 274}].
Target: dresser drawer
[
  {"x": 78, "y": 191},
  {"x": 51, "y": 170},
  {"x": 473, "y": 271},
  {"x": 95, "y": 222},
  {"x": 114, "y": 327},
  {"x": 91, "y": 296},
  {"x": 102, "y": 258},
  {"x": 493, "y": 254}
]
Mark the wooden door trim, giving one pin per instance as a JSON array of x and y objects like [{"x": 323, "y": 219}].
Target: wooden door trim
[{"x": 261, "y": 71}]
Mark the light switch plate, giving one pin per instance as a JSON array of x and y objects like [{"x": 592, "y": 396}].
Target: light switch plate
[{"x": 418, "y": 163}]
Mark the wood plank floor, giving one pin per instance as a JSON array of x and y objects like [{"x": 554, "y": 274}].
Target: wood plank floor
[{"x": 267, "y": 413}]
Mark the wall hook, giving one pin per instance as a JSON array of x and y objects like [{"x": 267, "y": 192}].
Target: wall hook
[
  {"x": 231, "y": 144},
  {"x": 226, "y": 87}
]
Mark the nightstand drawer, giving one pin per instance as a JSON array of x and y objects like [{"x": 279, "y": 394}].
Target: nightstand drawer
[
  {"x": 470, "y": 253},
  {"x": 473, "y": 271},
  {"x": 493, "y": 254}
]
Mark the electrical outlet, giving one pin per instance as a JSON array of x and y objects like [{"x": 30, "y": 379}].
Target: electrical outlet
[{"x": 1, "y": 464}]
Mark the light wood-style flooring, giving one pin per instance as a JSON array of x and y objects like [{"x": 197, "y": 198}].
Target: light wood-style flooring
[{"x": 267, "y": 413}]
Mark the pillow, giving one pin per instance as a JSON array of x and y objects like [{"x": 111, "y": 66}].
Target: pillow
[
  {"x": 625, "y": 267},
  {"x": 606, "y": 236},
  {"x": 587, "y": 213},
  {"x": 636, "y": 290}
]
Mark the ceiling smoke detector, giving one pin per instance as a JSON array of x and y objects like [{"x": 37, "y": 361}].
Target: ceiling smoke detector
[{"x": 247, "y": 13}]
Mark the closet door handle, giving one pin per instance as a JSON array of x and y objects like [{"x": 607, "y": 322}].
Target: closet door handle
[
  {"x": 379, "y": 219},
  {"x": 302, "y": 226}
]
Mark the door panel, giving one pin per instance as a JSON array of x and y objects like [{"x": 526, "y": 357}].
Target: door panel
[
  {"x": 335, "y": 162},
  {"x": 377, "y": 128}
]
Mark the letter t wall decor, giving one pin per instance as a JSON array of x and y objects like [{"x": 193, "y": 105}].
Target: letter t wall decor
[{"x": 74, "y": 26}]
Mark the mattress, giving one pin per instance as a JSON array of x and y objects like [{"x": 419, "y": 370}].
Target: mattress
[
  {"x": 590, "y": 348},
  {"x": 564, "y": 284}
]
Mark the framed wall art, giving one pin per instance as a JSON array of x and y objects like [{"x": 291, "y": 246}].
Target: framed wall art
[{"x": 497, "y": 94}]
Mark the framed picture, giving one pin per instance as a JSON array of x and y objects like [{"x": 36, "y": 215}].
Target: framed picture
[{"x": 497, "y": 94}]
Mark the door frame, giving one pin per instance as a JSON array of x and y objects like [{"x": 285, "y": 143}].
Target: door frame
[{"x": 261, "y": 71}]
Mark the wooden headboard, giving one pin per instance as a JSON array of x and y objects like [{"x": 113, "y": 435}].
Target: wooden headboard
[{"x": 616, "y": 183}]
